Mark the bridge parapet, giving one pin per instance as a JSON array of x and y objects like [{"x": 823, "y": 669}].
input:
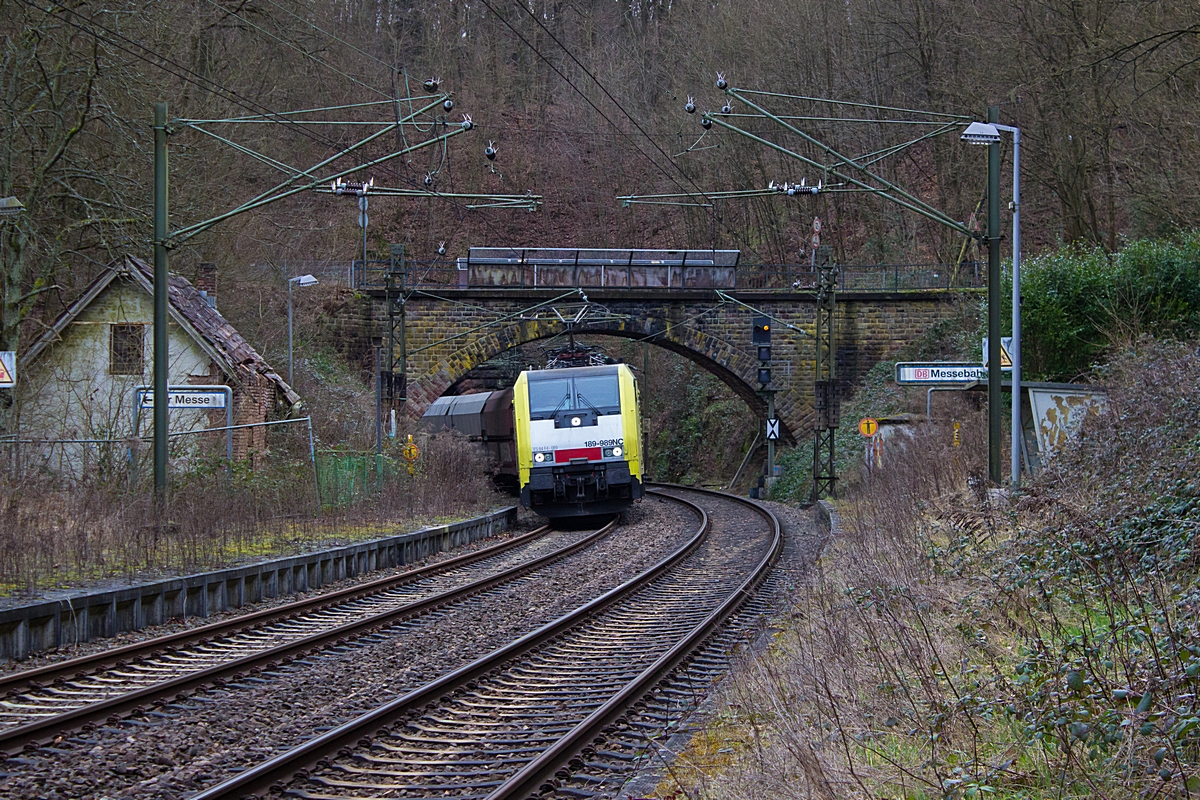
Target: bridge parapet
[{"x": 530, "y": 274}]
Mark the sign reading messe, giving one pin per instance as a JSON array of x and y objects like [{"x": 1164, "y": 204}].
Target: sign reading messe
[
  {"x": 907, "y": 372},
  {"x": 185, "y": 399}
]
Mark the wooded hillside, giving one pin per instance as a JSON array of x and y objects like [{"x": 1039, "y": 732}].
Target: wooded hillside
[{"x": 584, "y": 101}]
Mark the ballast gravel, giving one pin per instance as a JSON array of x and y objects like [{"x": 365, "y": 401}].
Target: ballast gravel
[{"x": 177, "y": 750}]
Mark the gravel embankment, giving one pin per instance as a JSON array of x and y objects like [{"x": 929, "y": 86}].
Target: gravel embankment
[{"x": 208, "y": 738}]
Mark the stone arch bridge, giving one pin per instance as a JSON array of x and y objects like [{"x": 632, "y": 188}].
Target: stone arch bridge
[{"x": 450, "y": 331}]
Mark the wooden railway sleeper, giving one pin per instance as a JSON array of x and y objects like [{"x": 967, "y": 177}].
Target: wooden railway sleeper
[{"x": 28, "y": 730}]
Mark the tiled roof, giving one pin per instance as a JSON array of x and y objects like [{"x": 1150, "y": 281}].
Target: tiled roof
[
  {"x": 215, "y": 329},
  {"x": 233, "y": 354}
]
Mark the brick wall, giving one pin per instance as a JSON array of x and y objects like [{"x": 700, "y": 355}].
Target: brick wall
[
  {"x": 692, "y": 323},
  {"x": 251, "y": 405}
]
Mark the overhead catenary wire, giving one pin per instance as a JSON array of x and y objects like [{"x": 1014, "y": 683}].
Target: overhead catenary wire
[
  {"x": 302, "y": 51},
  {"x": 156, "y": 59},
  {"x": 607, "y": 94},
  {"x": 332, "y": 36},
  {"x": 872, "y": 106},
  {"x": 568, "y": 81},
  {"x": 93, "y": 28},
  {"x": 712, "y": 206},
  {"x": 712, "y": 212},
  {"x": 395, "y": 101},
  {"x": 940, "y": 119}
]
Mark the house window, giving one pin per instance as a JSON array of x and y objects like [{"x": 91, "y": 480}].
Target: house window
[{"x": 127, "y": 350}]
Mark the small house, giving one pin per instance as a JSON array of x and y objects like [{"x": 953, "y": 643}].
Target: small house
[{"x": 83, "y": 382}]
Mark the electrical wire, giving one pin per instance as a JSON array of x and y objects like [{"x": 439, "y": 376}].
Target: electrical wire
[
  {"x": 115, "y": 39},
  {"x": 143, "y": 53},
  {"x": 712, "y": 212},
  {"x": 607, "y": 94},
  {"x": 337, "y": 39},
  {"x": 301, "y": 51},
  {"x": 568, "y": 81},
  {"x": 461, "y": 207}
]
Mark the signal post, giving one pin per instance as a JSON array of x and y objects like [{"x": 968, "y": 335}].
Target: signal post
[{"x": 760, "y": 337}]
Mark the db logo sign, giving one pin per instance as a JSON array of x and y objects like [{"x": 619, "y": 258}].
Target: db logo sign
[{"x": 921, "y": 373}]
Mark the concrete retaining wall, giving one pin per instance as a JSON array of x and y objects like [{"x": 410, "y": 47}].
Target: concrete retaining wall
[
  {"x": 827, "y": 518},
  {"x": 85, "y": 616}
]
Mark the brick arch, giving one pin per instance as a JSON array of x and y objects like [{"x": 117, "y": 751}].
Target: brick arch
[{"x": 732, "y": 366}]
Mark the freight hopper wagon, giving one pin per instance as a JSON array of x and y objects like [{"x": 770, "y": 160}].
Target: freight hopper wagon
[
  {"x": 572, "y": 444},
  {"x": 485, "y": 417}
]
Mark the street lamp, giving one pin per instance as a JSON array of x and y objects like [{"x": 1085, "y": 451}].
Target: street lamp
[
  {"x": 299, "y": 280},
  {"x": 10, "y": 206},
  {"x": 989, "y": 133}
]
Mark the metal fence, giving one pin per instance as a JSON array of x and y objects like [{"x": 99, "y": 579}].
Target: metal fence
[
  {"x": 70, "y": 460},
  {"x": 127, "y": 458},
  {"x": 345, "y": 477},
  {"x": 442, "y": 274},
  {"x": 864, "y": 277}
]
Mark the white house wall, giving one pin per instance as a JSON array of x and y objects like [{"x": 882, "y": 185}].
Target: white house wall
[{"x": 69, "y": 393}]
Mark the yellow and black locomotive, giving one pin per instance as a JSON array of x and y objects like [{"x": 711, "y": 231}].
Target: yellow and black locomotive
[
  {"x": 570, "y": 437},
  {"x": 578, "y": 437}
]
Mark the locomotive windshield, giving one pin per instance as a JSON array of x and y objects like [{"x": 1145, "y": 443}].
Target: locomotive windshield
[
  {"x": 599, "y": 393},
  {"x": 546, "y": 398}
]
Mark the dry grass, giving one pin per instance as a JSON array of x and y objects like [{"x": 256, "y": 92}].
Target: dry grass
[
  {"x": 948, "y": 648},
  {"x": 852, "y": 690},
  {"x": 55, "y": 532}
]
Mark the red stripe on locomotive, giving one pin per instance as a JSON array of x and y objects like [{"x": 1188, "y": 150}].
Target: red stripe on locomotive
[{"x": 590, "y": 453}]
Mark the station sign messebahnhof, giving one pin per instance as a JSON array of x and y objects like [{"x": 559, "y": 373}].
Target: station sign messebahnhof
[{"x": 908, "y": 372}]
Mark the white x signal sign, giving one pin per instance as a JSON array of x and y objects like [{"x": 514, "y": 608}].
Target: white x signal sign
[
  {"x": 773, "y": 429},
  {"x": 8, "y": 369}
]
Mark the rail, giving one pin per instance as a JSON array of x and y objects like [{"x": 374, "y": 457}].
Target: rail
[
  {"x": 533, "y": 776},
  {"x": 315, "y": 753},
  {"x": 125, "y": 660}
]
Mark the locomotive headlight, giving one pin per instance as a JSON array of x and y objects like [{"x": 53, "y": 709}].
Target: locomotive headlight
[
  {"x": 539, "y": 457},
  {"x": 617, "y": 452},
  {"x": 576, "y": 422}
]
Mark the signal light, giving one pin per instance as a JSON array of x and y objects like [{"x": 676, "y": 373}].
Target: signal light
[
  {"x": 760, "y": 336},
  {"x": 761, "y": 333}
]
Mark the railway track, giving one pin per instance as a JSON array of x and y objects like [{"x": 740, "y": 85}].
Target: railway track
[
  {"x": 40, "y": 704},
  {"x": 522, "y": 720}
]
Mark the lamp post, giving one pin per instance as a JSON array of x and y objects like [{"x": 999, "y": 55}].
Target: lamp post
[
  {"x": 10, "y": 206},
  {"x": 989, "y": 133},
  {"x": 299, "y": 280}
]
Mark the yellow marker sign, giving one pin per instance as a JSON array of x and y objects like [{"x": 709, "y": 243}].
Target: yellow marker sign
[
  {"x": 957, "y": 438},
  {"x": 868, "y": 426},
  {"x": 410, "y": 451}
]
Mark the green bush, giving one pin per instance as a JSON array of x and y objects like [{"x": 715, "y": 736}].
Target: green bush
[{"x": 1077, "y": 303}]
